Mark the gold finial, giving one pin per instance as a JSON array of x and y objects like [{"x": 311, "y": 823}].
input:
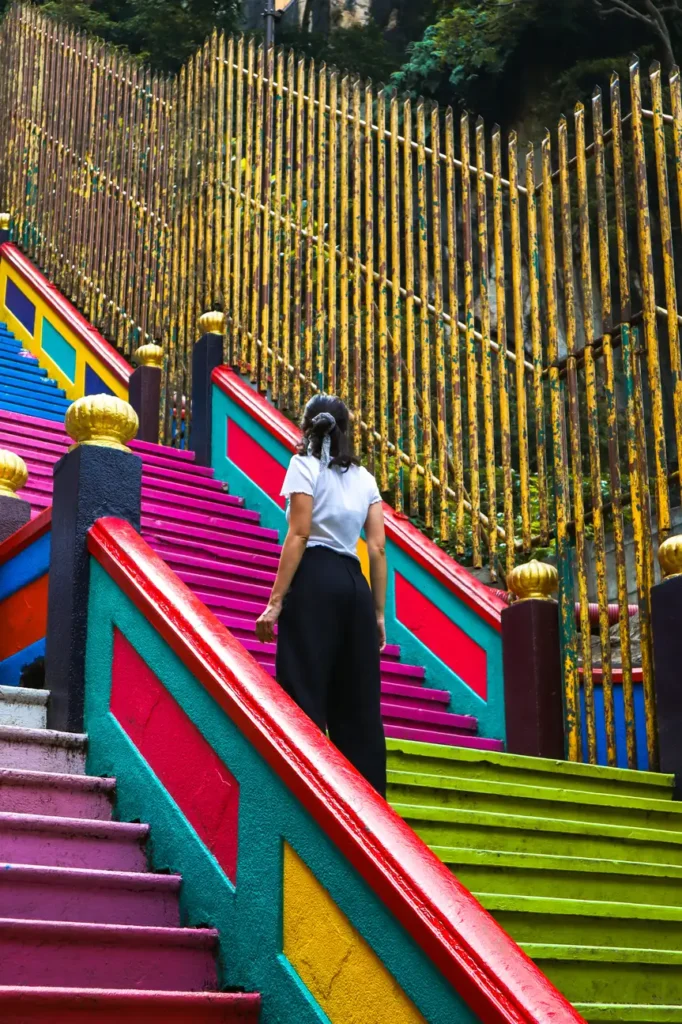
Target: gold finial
[
  {"x": 4, "y": 222},
  {"x": 102, "y": 420},
  {"x": 212, "y": 322},
  {"x": 150, "y": 355},
  {"x": 670, "y": 557},
  {"x": 13, "y": 473},
  {"x": 534, "y": 580}
]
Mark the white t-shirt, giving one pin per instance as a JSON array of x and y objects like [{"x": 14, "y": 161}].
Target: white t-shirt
[{"x": 341, "y": 501}]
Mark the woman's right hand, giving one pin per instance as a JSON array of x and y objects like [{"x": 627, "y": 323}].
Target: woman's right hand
[
  {"x": 265, "y": 626},
  {"x": 381, "y": 628}
]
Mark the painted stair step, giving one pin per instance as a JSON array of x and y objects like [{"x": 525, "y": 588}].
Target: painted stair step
[
  {"x": 232, "y": 524},
  {"x": 42, "y": 750},
  {"x": 44, "y": 454},
  {"x": 577, "y": 922},
  {"x": 37, "y": 499},
  {"x": 427, "y": 717},
  {"x": 402, "y": 686},
  {"x": 40, "y": 484},
  {"x": 23, "y": 708},
  {"x": 26, "y": 364},
  {"x": 529, "y": 801},
  {"x": 223, "y": 544},
  {"x": 472, "y": 829},
  {"x": 434, "y": 734},
  {"x": 112, "y": 956},
  {"x": 578, "y": 878},
  {"x": 47, "y": 793},
  {"x": 42, "y": 387},
  {"x": 11, "y": 374},
  {"x": 629, "y": 1013},
  {"x": 212, "y": 570},
  {"x": 38, "y": 434},
  {"x": 212, "y": 556},
  {"x": 37, "y": 470},
  {"x": 148, "y": 447},
  {"x": 36, "y": 1005},
  {"x": 14, "y": 407},
  {"x": 11, "y": 344},
  {"x": 165, "y": 461},
  {"x": 36, "y": 892},
  {"x": 177, "y": 504},
  {"x": 535, "y": 771},
  {"x": 42, "y": 402},
  {"x": 650, "y": 976},
  {"x": 216, "y": 588},
  {"x": 231, "y": 602},
  {"x": 169, "y": 477},
  {"x": 72, "y": 842}
]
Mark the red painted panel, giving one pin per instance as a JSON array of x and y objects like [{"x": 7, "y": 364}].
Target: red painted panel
[
  {"x": 23, "y": 618},
  {"x": 437, "y": 632},
  {"x": 26, "y": 535},
  {"x": 202, "y": 787},
  {"x": 252, "y": 459}
]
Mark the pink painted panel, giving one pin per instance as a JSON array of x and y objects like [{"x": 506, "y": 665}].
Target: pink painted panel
[
  {"x": 253, "y": 460},
  {"x": 195, "y": 777},
  {"x": 447, "y": 641}
]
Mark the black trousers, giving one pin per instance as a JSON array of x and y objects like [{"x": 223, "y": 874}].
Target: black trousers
[{"x": 328, "y": 657}]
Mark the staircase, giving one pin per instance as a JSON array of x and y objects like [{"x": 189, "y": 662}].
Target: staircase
[
  {"x": 582, "y": 865},
  {"x": 87, "y": 933}
]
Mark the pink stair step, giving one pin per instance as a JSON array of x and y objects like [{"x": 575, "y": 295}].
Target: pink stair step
[
  {"x": 221, "y": 543},
  {"x": 231, "y": 525},
  {"x": 148, "y": 447},
  {"x": 41, "y": 1005},
  {"x": 168, "y": 479},
  {"x": 216, "y": 586},
  {"x": 418, "y": 696},
  {"x": 39, "y": 483},
  {"x": 72, "y": 842},
  {"x": 433, "y": 734},
  {"x": 231, "y": 603},
  {"x": 42, "y": 750},
  {"x": 70, "y": 796},
  {"x": 36, "y": 499},
  {"x": 211, "y": 557},
  {"x": 180, "y": 503},
  {"x": 215, "y": 570},
  {"x": 38, "y": 892},
  {"x": 111, "y": 956},
  {"x": 162, "y": 461},
  {"x": 33, "y": 423},
  {"x": 427, "y": 717}
]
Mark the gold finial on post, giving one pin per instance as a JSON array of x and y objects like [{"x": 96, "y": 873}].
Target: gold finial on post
[
  {"x": 4, "y": 222},
  {"x": 670, "y": 557},
  {"x": 534, "y": 580},
  {"x": 13, "y": 473},
  {"x": 212, "y": 322},
  {"x": 150, "y": 355},
  {"x": 102, "y": 420}
]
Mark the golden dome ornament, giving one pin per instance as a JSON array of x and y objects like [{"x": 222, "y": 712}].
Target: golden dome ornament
[
  {"x": 534, "y": 581},
  {"x": 150, "y": 354},
  {"x": 13, "y": 473},
  {"x": 4, "y": 221},
  {"x": 212, "y": 322},
  {"x": 670, "y": 557},
  {"x": 102, "y": 420}
]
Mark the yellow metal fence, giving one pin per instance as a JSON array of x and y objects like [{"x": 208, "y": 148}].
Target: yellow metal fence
[{"x": 502, "y": 320}]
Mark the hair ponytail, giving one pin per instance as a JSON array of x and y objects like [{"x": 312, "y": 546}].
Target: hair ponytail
[{"x": 325, "y": 432}]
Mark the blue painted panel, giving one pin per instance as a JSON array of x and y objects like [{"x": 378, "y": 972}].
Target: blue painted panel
[
  {"x": 20, "y": 306},
  {"x": 94, "y": 385},
  {"x": 11, "y": 668},
  {"x": 24, "y": 568},
  {"x": 59, "y": 350},
  {"x": 619, "y": 709}
]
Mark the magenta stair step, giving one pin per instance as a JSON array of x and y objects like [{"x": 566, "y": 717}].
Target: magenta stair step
[
  {"x": 33, "y": 423},
  {"x": 211, "y": 556},
  {"x": 107, "y": 956},
  {"x": 42, "y": 750},
  {"x": 149, "y": 448},
  {"x": 418, "y": 696},
  {"x": 231, "y": 602},
  {"x": 213, "y": 570},
  {"x": 36, "y": 893},
  {"x": 216, "y": 587},
  {"x": 232, "y": 524},
  {"x": 179, "y": 504},
  {"x": 427, "y": 717},
  {"x": 162, "y": 461},
  {"x": 224, "y": 544},
  {"x": 42, "y": 1005},
  {"x": 72, "y": 842},
  {"x": 168, "y": 480},
  {"x": 70, "y": 796},
  {"x": 37, "y": 501},
  {"x": 41, "y": 484},
  {"x": 433, "y": 734},
  {"x": 41, "y": 453}
]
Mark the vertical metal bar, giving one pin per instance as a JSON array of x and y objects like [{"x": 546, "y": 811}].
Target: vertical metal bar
[
  {"x": 454, "y": 349},
  {"x": 382, "y": 241},
  {"x": 229, "y": 232},
  {"x": 536, "y": 345},
  {"x": 396, "y": 317},
  {"x": 299, "y": 185},
  {"x": 424, "y": 325},
  {"x": 370, "y": 381},
  {"x": 256, "y": 214},
  {"x": 220, "y": 178},
  {"x": 238, "y": 208},
  {"x": 277, "y": 234},
  {"x": 356, "y": 241},
  {"x": 287, "y": 202},
  {"x": 320, "y": 283},
  {"x": 333, "y": 166},
  {"x": 211, "y": 106},
  {"x": 439, "y": 325},
  {"x": 410, "y": 346},
  {"x": 308, "y": 354},
  {"x": 343, "y": 246},
  {"x": 519, "y": 341},
  {"x": 268, "y": 225},
  {"x": 471, "y": 346},
  {"x": 247, "y": 269}
]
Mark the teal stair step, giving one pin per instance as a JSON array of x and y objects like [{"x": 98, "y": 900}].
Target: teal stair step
[
  {"x": 10, "y": 371},
  {"x": 41, "y": 387},
  {"x": 578, "y": 878},
  {"x": 46, "y": 414},
  {"x": 595, "y": 974},
  {"x": 33, "y": 404},
  {"x": 406, "y": 755},
  {"x": 28, "y": 362}
]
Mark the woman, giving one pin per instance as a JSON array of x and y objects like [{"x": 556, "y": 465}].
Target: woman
[{"x": 331, "y": 626}]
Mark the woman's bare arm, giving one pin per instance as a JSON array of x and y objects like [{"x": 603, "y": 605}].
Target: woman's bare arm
[
  {"x": 300, "y": 518},
  {"x": 376, "y": 549}
]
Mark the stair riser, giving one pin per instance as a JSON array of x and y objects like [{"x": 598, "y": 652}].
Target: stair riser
[
  {"x": 23, "y": 716},
  {"x": 585, "y": 981},
  {"x": 40, "y": 960},
  {"x": 576, "y": 930},
  {"x": 14, "y": 407},
  {"x": 34, "y": 757},
  {"x": 70, "y": 851},
  {"x": 106, "y": 1009},
  {"x": 224, "y": 544},
  {"x": 95, "y": 904},
  {"x": 34, "y": 798},
  {"x": 179, "y": 500},
  {"x": 218, "y": 554},
  {"x": 429, "y": 734}
]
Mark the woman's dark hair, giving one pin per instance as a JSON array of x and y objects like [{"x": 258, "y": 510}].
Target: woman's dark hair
[{"x": 317, "y": 426}]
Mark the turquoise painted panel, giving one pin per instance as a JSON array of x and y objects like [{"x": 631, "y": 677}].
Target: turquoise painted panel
[
  {"x": 248, "y": 916},
  {"x": 59, "y": 350},
  {"x": 490, "y": 713}
]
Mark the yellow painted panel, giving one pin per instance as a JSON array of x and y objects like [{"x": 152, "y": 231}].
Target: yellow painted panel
[
  {"x": 364, "y": 558},
  {"x": 340, "y": 970}
]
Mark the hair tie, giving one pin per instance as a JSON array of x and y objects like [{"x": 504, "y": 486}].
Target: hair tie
[
  {"x": 326, "y": 420},
  {"x": 327, "y": 423}
]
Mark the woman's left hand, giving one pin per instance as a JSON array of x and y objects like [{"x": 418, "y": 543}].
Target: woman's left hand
[{"x": 265, "y": 626}]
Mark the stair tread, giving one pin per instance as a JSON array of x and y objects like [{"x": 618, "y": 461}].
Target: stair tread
[
  {"x": 578, "y": 908},
  {"x": 126, "y": 999},
  {"x": 507, "y": 859},
  {"x": 202, "y": 938},
  {"x": 44, "y": 737},
  {"x": 602, "y": 954},
  {"x": 86, "y": 783},
  {"x": 91, "y": 827},
  {"x": 630, "y": 1013},
  {"x": 23, "y": 695},
  {"x": 139, "y": 880}
]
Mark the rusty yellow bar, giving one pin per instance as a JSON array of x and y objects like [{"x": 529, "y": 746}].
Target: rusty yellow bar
[
  {"x": 560, "y": 455},
  {"x": 269, "y": 225},
  {"x": 454, "y": 347},
  {"x": 356, "y": 236},
  {"x": 536, "y": 345},
  {"x": 396, "y": 318},
  {"x": 321, "y": 175},
  {"x": 332, "y": 298},
  {"x": 369, "y": 303},
  {"x": 344, "y": 171},
  {"x": 471, "y": 345},
  {"x": 410, "y": 346},
  {"x": 382, "y": 146},
  {"x": 248, "y": 210},
  {"x": 299, "y": 186},
  {"x": 308, "y": 367},
  {"x": 221, "y": 236},
  {"x": 210, "y": 106},
  {"x": 502, "y": 372},
  {"x": 612, "y": 429},
  {"x": 486, "y": 362},
  {"x": 277, "y": 234},
  {"x": 287, "y": 202},
  {"x": 439, "y": 327},
  {"x": 255, "y": 213},
  {"x": 519, "y": 341},
  {"x": 230, "y": 230},
  {"x": 424, "y": 325}
]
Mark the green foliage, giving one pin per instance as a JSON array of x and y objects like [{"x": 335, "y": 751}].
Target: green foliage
[{"x": 362, "y": 50}]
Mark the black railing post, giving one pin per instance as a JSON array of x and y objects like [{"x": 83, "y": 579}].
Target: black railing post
[
  {"x": 207, "y": 355},
  {"x": 144, "y": 390},
  {"x": 666, "y": 627}
]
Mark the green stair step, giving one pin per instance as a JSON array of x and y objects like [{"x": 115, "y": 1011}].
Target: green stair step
[
  {"x": 594, "y": 974},
  {"x": 578, "y": 878},
  {"x": 534, "y": 801},
  {"x": 407, "y": 755},
  {"x": 452, "y": 827},
  {"x": 629, "y": 1013}
]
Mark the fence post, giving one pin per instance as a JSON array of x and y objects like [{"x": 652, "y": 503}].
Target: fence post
[
  {"x": 531, "y": 652},
  {"x": 4, "y": 227},
  {"x": 99, "y": 476},
  {"x": 666, "y": 625},
  {"x": 207, "y": 355},
  {"x": 14, "y": 511},
  {"x": 144, "y": 390}
]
